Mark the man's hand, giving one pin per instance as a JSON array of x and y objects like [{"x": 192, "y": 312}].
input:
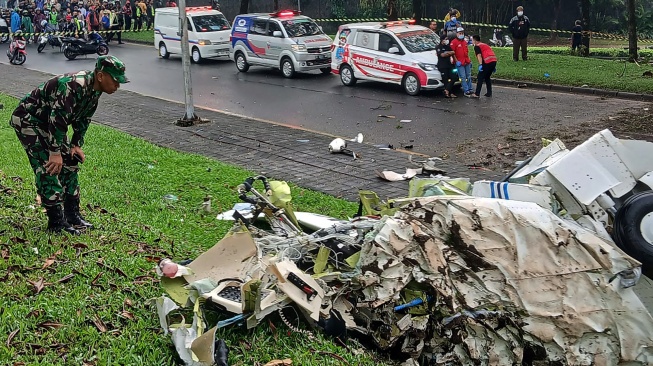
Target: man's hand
[
  {"x": 76, "y": 150},
  {"x": 480, "y": 68},
  {"x": 54, "y": 164}
]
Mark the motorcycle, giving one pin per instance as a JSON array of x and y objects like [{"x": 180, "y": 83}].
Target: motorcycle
[
  {"x": 49, "y": 38},
  {"x": 499, "y": 39},
  {"x": 74, "y": 47},
  {"x": 4, "y": 30},
  {"x": 17, "y": 53}
]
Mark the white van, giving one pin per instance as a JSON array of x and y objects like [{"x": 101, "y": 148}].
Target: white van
[{"x": 208, "y": 32}]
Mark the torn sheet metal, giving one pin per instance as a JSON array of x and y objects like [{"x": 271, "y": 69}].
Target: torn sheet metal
[
  {"x": 232, "y": 250},
  {"x": 542, "y": 196}
]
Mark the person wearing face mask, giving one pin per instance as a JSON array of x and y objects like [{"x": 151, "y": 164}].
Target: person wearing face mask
[
  {"x": 451, "y": 25},
  {"x": 487, "y": 66},
  {"x": 463, "y": 63},
  {"x": 519, "y": 26},
  {"x": 446, "y": 62}
]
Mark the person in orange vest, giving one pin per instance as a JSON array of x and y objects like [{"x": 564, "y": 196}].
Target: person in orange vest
[{"x": 487, "y": 65}]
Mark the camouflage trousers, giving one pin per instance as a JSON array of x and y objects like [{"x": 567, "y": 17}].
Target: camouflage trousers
[{"x": 51, "y": 188}]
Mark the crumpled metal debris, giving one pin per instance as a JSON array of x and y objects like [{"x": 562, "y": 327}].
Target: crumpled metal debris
[{"x": 443, "y": 279}]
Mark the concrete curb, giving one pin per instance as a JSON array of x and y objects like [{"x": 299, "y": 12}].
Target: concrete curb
[
  {"x": 139, "y": 42},
  {"x": 576, "y": 90}
]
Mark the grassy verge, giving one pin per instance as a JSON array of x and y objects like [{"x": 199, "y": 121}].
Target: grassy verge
[
  {"x": 573, "y": 71},
  {"x": 82, "y": 300},
  {"x": 144, "y": 36}
]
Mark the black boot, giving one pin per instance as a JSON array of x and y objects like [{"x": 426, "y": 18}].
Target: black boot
[
  {"x": 71, "y": 211},
  {"x": 57, "y": 222}
]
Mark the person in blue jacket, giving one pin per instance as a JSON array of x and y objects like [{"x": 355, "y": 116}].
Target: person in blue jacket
[{"x": 15, "y": 21}]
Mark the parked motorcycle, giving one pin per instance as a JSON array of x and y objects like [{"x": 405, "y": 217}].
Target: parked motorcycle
[
  {"x": 499, "y": 39},
  {"x": 4, "y": 30},
  {"x": 49, "y": 38},
  {"x": 17, "y": 53},
  {"x": 74, "y": 47}
]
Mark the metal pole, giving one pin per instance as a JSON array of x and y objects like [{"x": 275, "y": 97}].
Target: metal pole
[
  {"x": 299, "y": 5},
  {"x": 185, "y": 62}
]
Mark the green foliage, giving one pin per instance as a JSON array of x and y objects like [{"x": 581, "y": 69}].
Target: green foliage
[
  {"x": 338, "y": 9},
  {"x": 92, "y": 303},
  {"x": 144, "y": 36}
]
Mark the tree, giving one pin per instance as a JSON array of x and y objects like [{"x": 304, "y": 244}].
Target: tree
[
  {"x": 392, "y": 10},
  {"x": 632, "y": 31},
  {"x": 586, "y": 5},
  {"x": 276, "y": 5},
  {"x": 417, "y": 11},
  {"x": 244, "y": 6},
  {"x": 557, "y": 5}
]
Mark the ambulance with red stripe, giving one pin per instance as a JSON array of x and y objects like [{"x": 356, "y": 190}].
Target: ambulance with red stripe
[
  {"x": 284, "y": 40},
  {"x": 392, "y": 52}
]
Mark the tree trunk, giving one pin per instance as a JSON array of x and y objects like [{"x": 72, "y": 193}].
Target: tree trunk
[
  {"x": 557, "y": 5},
  {"x": 244, "y": 6},
  {"x": 632, "y": 31},
  {"x": 586, "y": 5},
  {"x": 276, "y": 5},
  {"x": 417, "y": 11},
  {"x": 392, "y": 10}
]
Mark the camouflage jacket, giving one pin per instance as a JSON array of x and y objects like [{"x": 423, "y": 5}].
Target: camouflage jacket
[{"x": 67, "y": 100}]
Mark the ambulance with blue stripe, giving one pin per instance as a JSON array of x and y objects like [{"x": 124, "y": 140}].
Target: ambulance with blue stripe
[{"x": 285, "y": 40}]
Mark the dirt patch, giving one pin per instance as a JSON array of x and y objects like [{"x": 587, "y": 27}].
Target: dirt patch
[{"x": 500, "y": 152}]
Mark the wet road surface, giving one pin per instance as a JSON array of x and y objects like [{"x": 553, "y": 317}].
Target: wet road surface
[{"x": 321, "y": 103}]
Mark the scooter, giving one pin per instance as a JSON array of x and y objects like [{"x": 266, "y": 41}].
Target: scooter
[
  {"x": 74, "y": 47},
  {"x": 499, "y": 39},
  {"x": 49, "y": 38},
  {"x": 17, "y": 53}
]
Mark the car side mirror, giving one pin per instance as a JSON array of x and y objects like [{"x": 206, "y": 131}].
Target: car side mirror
[
  {"x": 394, "y": 50},
  {"x": 277, "y": 34},
  {"x": 321, "y": 30}
]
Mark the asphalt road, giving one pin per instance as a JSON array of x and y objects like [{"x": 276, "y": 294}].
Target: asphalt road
[{"x": 321, "y": 103}]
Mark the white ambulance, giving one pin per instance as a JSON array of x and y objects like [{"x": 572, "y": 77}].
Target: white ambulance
[
  {"x": 392, "y": 52},
  {"x": 208, "y": 32}
]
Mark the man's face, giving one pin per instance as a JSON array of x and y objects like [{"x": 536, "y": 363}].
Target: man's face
[
  {"x": 107, "y": 83},
  {"x": 433, "y": 26},
  {"x": 460, "y": 35}
]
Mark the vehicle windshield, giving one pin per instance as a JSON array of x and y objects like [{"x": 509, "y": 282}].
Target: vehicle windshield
[
  {"x": 210, "y": 23},
  {"x": 301, "y": 28},
  {"x": 419, "y": 41}
]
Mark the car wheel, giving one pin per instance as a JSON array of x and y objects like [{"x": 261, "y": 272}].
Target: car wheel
[
  {"x": 163, "y": 51},
  {"x": 633, "y": 227},
  {"x": 411, "y": 84},
  {"x": 326, "y": 70},
  {"x": 241, "y": 62},
  {"x": 347, "y": 76},
  {"x": 196, "y": 56},
  {"x": 287, "y": 68}
]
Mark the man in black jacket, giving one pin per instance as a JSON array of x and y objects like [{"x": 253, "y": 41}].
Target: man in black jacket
[{"x": 519, "y": 26}]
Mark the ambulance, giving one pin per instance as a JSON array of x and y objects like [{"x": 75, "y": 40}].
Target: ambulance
[
  {"x": 208, "y": 32},
  {"x": 399, "y": 52},
  {"x": 285, "y": 40}
]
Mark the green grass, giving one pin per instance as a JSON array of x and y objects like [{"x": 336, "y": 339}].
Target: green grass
[
  {"x": 144, "y": 36},
  {"x": 97, "y": 275},
  {"x": 572, "y": 71}
]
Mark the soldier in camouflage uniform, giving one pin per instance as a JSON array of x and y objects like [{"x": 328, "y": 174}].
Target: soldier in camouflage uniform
[{"x": 41, "y": 122}]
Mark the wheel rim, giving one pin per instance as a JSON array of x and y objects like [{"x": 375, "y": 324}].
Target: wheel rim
[
  {"x": 162, "y": 50},
  {"x": 240, "y": 62},
  {"x": 287, "y": 68},
  {"x": 102, "y": 50},
  {"x": 411, "y": 84},
  {"x": 345, "y": 75},
  {"x": 196, "y": 56},
  {"x": 646, "y": 227}
]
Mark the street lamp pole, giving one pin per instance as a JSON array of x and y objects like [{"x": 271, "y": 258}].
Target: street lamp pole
[{"x": 190, "y": 116}]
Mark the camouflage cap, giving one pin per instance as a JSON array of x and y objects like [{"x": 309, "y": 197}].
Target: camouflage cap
[{"x": 112, "y": 66}]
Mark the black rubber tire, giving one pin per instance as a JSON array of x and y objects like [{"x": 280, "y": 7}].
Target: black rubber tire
[
  {"x": 165, "y": 55},
  {"x": 291, "y": 67},
  {"x": 325, "y": 70},
  {"x": 103, "y": 50},
  {"x": 245, "y": 65},
  {"x": 404, "y": 84},
  {"x": 627, "y": 227},
  {"x": 40, "y": 48},
  {"x": 20, "y": 59},
  {"x": 68, "y": 53},
  {"x": 352, "y": 79},
  {"x": 4, "y": 39}
]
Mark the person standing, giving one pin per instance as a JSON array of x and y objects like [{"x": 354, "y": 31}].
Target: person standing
[
  {"x": 127, "y": 15},
  {"x": 41, "y": 123},
  {"x": 577, "y": 36},
  {"x": 451, "y": 25},
  {"x": 463, "y": 63},
  {"x": 519, "y": 26},
  {"x": 446, "y": 62},
  {"x": 143, "y": 14},
  {"x": 487, "y": 64},
  {"x": 150, "y": 14}
]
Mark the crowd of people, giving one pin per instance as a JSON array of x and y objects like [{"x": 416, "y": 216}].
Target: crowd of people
[{"x": 80, "y": 16}]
